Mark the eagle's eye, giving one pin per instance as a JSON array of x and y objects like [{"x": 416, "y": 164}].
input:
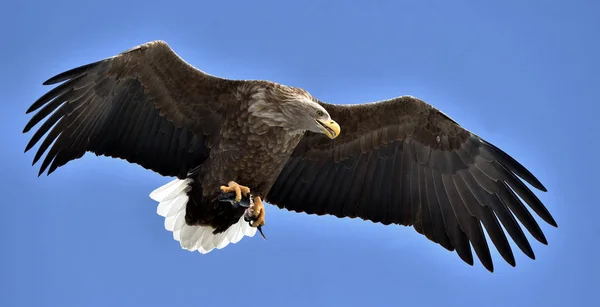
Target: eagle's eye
[{"x": 320, "y": 113}]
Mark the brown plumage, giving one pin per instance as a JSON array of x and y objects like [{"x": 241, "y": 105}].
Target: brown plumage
[{"x": 399, "y": 161}]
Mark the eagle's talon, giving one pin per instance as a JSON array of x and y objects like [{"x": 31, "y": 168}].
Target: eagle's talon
[
  {"x": 239, "y": 190},
  {"x": 255, "y": 214},
  {"x": 261, "y": 232}
]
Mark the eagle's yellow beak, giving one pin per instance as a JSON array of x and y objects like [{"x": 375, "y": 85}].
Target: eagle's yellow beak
[{"x": 330, "y": 128}]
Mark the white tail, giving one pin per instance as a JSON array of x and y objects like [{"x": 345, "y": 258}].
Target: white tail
[{"x": 172, "y": 198}]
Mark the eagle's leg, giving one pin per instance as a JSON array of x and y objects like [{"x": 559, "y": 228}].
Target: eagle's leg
[
  {"x": 239, "y": 190},
  {"x": 255, "y": 214}
]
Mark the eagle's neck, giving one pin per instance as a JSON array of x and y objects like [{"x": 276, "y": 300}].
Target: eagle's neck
[{"x": 264, "y": 110}]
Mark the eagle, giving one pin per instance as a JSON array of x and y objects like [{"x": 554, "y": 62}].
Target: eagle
[{"x": 232, "y": 145}]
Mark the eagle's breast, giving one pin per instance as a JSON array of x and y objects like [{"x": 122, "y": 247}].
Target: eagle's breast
[{"x": 252, "y": 150}]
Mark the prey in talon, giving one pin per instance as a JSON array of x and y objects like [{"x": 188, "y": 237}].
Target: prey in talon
[
  {"x": 245, "y": 202},
  {"x": 236, "y": 188},
  {"x": 240, "y": 196}
]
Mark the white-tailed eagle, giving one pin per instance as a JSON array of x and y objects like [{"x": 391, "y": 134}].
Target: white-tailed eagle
[{"x": 232, "y": 144}]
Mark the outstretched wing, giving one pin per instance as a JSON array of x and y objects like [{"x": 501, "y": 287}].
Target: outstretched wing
[
  {"x": 145, "y": 105},
  {"x": 401, "y": 161}
]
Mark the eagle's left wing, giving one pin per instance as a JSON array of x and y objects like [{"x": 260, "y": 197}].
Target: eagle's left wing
[{"x": 402, "y": 161}]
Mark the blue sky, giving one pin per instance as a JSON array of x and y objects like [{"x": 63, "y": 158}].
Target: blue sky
[{"x": 523, "y": 75}]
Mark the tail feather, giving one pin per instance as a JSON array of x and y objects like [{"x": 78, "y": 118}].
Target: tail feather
[{"x": 172, "y": 198}]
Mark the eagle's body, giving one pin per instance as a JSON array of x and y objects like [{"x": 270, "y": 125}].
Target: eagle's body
[
  {"x": 251, "y": 151},
  {"x": 399, "y": 161}
]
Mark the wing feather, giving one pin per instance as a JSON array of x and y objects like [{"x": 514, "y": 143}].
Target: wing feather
[
  {"x": 455, "y": 233},
  {"x": 438, "y": 223}
]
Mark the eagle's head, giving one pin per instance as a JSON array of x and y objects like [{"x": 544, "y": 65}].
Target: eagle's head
[{"x": 293, "y": 108}]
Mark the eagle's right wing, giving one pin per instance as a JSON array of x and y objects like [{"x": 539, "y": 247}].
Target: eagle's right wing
[{"x": 145, "y": 105}]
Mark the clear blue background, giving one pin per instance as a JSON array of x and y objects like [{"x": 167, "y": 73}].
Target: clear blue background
[{"x": 522, "y": 74}]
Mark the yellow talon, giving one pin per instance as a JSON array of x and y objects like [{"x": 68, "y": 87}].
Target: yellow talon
[
  {"x": 239, "y": 190},
  {"x": 257, "y": 210}
]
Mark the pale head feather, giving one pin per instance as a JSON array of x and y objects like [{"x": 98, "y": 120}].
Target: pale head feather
[{"x": 288, "y": 107}]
